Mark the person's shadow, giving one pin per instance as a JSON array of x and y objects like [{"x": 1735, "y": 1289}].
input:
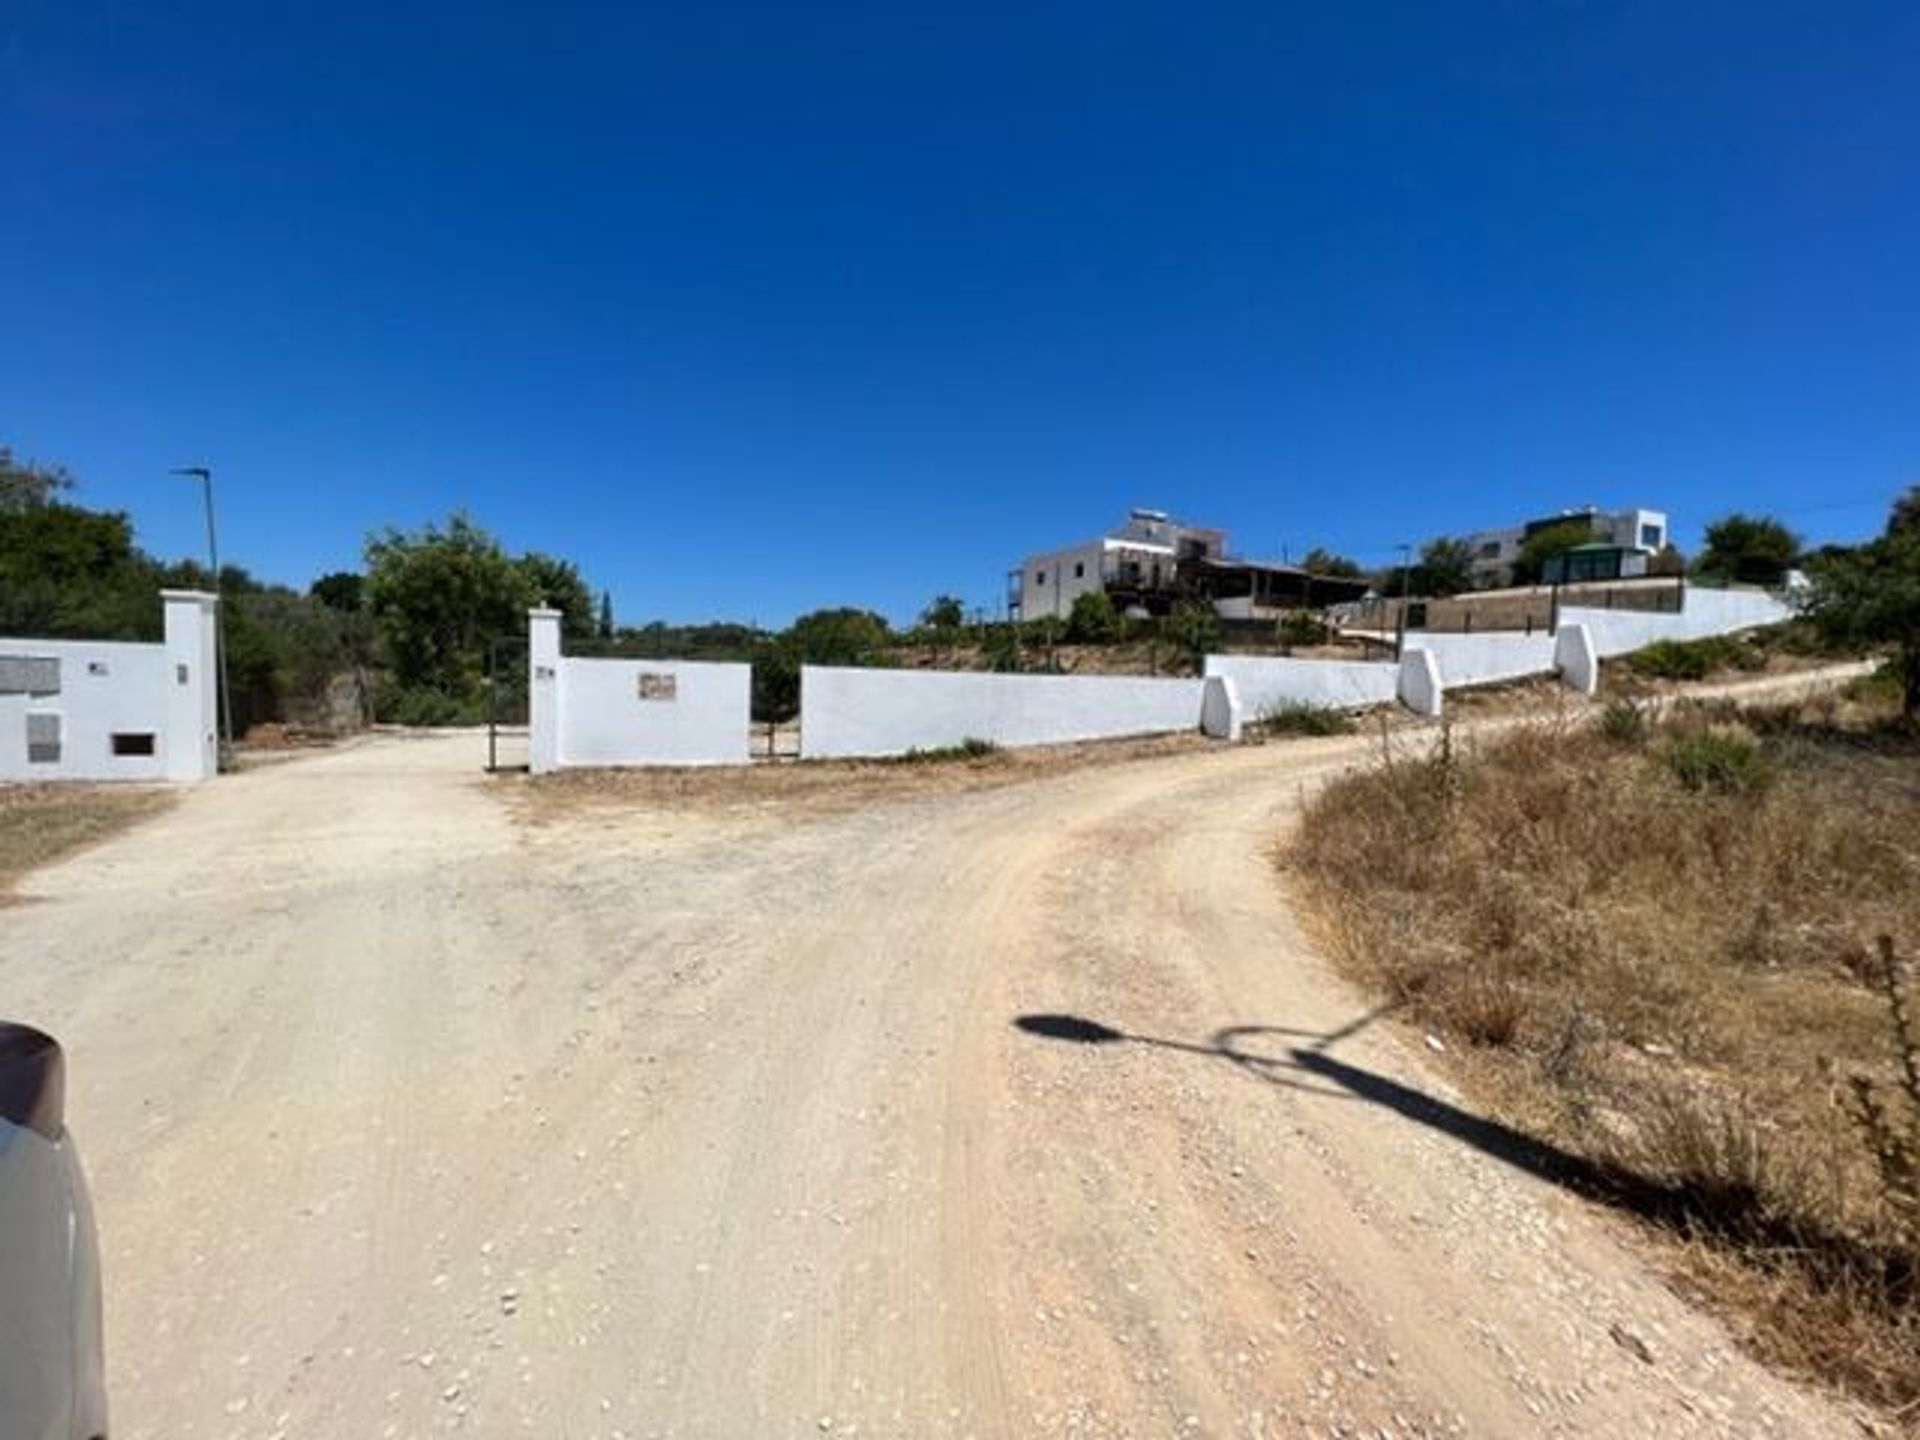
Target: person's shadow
[{"x": 1689, "y": 1205}]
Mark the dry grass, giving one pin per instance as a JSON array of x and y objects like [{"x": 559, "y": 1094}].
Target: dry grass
[
  {"x": 1678, "y": 981},
  {"x": 42, "y": 823},
  {"x": 798, "y": 789}
]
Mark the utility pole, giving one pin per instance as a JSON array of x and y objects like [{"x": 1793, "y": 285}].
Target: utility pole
[
  {"x": 205, "y": 477},
  {"x": 1406, "y": 580}
]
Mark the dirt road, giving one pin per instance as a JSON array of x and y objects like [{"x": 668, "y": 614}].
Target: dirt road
[{"x": 404, "y": 1116}]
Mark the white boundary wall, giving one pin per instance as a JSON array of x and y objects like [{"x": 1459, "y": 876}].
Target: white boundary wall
[
  {"x": 1266, "y": 681},
  {"x": 846, "y": 713},
  {"x": 1707, "y": 612},
  {"x": 631, "y": 712},
  {"x": 1486, "y": 659},
  {"x": 162, "y": 692}
]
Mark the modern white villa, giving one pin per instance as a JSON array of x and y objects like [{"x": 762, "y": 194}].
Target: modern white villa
[{"x": 1623, "y": 542}]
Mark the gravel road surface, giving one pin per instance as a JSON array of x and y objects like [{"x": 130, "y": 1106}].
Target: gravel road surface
[{"x": 407, "y": 1116}]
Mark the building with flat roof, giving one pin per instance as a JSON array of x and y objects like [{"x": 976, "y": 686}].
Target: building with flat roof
[
  {"x": 1153, "y": 561},
  {"x": 1635, "y": 534}
]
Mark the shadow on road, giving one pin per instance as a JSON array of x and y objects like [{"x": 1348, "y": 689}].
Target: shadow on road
[
  {"x": 1680, "y": 1203},
  {"x": 1298, "y": 1067}
]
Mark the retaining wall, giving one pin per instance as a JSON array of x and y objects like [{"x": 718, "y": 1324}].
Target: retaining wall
[
  {"x": 853, "y": 712},
  {"x": 1264, "y": 682},
  {"x": 1708, "y": 612},
  {"x": 1488, "y": 659}
]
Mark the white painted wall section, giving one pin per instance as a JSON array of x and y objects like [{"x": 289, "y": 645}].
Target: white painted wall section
[
  {"x": 846, "y": 713},
  {"x": 1707, "y": 612},
  {"x": 1421, "y": 690},
  {"x": 1220, "y": 713},
  {"x": 653, "y": 712},
  {"x": 613, "y": 712},
  {"x": 113, "y": 710},
  {"x": 1266, "y": 682},
  {"x": 1576, "y": 659},
  {"x": 1488, "y": 658}
]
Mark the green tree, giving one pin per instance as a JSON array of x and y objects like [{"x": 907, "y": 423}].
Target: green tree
[
  {"x": 437, "y": 596},
  {"x": 776, "y": 680},
  {"x": 343, "y": 590},
  {"x": 1870, "y": 595},
  {"x": 843, "y": 636},
  {"x": 1000, "y": 650},
  {"x": 1094, "y": 620},
  {"x": 1906, "y": 511},
  {"x": 1749, "y": 549},
  {"x": 1326, "y": 562},
  {"x": 942, "y": 622},
  {"x": 1445, "y": 568},
  {"x": 944, "y": 613},
  {"x": 24, "y": 484},
  {"x": 557, "y": 583},
  {"x": 1544, "y": 544},
  {"x": 1669, "y": 562},
  {"x": 1042, "y": 636},
  {"x": 1300, "y": 627},
  {"x": 69, "y": 572},
  {"x": 606, "y": 615},
  {"x": 1192, "y": 629}
]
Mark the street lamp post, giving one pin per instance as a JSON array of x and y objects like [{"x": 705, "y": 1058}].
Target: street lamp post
[
  {"x": 205, "y": 477},
  {"x": 1406, "y": 577}
]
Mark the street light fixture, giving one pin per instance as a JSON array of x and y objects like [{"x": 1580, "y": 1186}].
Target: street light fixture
[
  {"x": 1406, "y": 578},
  {"x": 205, "y": 477}
]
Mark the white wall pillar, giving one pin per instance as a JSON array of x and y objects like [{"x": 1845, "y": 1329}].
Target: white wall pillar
[
  {"x": 1220, "y": 713},
  {"x": 1420, "y": 688},
  {"x": 1577, "y": 658},
  {"x": 544, "y": 695},
  {"x": 191, "y": 741}
]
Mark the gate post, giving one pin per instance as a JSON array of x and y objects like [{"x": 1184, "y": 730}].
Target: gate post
[
  {"x": 191, "y": 750},
  {"x": 544, "y": 697}
]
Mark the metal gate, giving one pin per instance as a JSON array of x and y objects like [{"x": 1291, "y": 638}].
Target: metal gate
[{"x": 506, "y": 703}]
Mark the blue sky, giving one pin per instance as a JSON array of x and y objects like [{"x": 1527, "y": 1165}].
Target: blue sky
[{"x": 754, "y": 308}]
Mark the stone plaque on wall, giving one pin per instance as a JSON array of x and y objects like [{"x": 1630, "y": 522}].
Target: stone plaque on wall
[{"x": 657, "y": 685}]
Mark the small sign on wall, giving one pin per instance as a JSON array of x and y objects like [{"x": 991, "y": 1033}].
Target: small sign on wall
[{"x": 658, "y": 685}]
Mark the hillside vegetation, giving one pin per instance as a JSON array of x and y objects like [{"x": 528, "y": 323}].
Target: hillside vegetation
[{"x": 1678, "y": 954}]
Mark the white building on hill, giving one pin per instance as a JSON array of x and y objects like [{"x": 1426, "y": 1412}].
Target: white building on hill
[{"x": 1636, "y": 535}]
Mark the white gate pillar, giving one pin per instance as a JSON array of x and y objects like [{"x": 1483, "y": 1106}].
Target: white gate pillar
[
  {"x": 191, "y": 746},
  {"x": 544, "y": 697},
  {"x": 1420, "y": 689},
  {"x": 1576, "y": 658},
  {"x": 1220, "y": 712}
]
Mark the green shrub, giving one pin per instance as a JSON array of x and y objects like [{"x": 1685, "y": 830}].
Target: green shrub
[
  {"x": 1695, "y": 659},
  {"x": 1000, "y": 648},
  {"x": 1880, "y": 687},
  {"x": 1094, "y": 620},
  {"x": 1723, "y": 761},
  {"x": 1624, "y": 722},
  {"x": 396, "y": 704},
  {"x": 1300, "y": 717},
  {"x": 971, "y": 748},
  {"x": 1301, "y": 627}
]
